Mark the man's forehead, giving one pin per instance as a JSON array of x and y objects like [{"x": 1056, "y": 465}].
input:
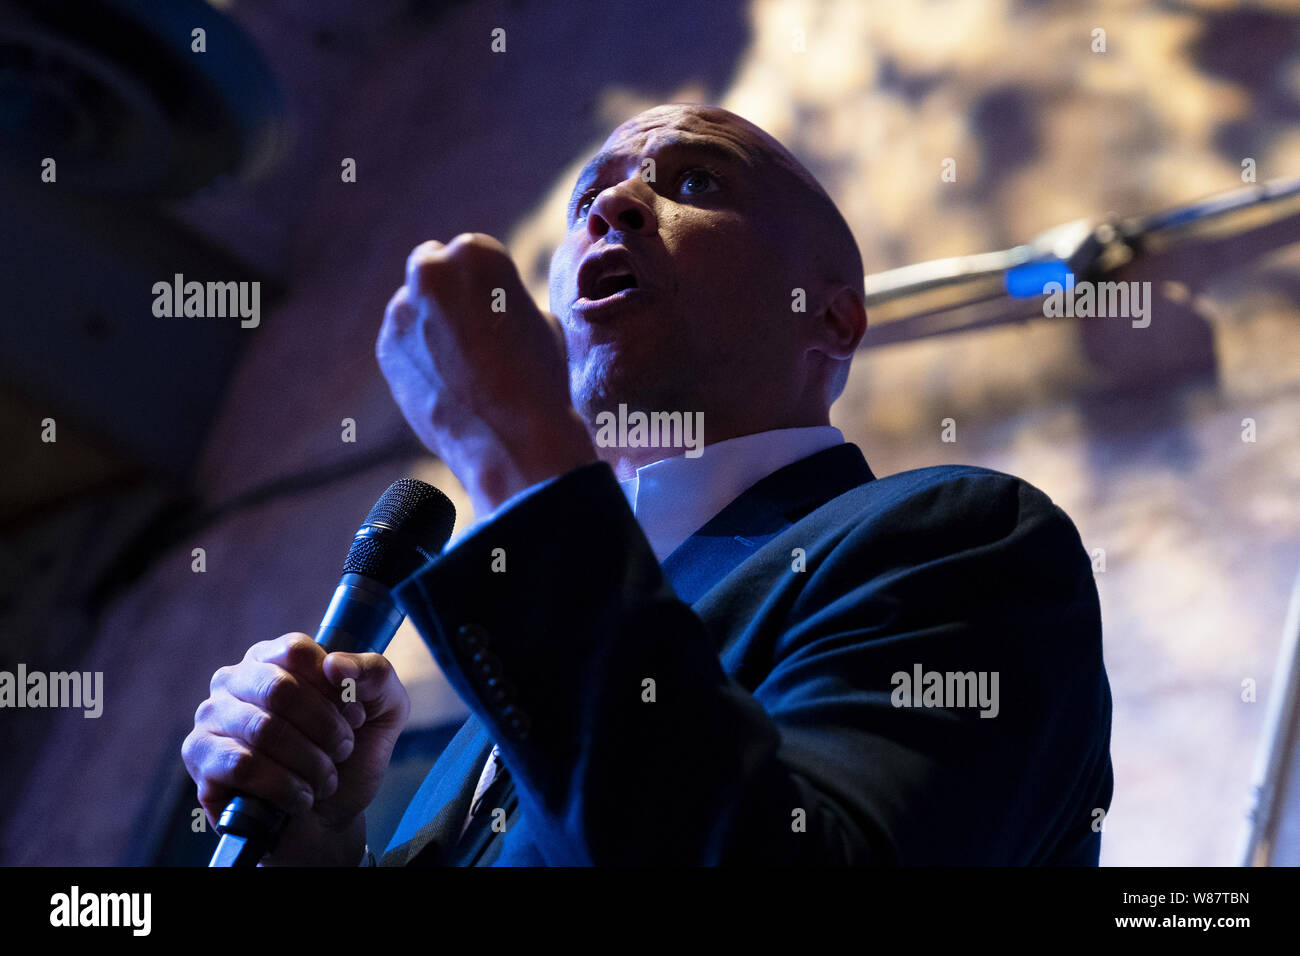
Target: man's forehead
[
  {"x": 708, "y": 127},
  {"x": 673, "y": 124}
]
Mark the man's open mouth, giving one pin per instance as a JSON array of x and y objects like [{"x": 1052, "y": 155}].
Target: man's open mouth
[
  {"x": 609, "y": 285},
  {"x": 607, "y": 276}
]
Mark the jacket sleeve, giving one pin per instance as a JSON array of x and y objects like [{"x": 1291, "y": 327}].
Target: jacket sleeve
[{"x": 629, "y": 744}]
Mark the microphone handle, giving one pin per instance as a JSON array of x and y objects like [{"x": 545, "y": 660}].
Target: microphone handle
[{"x": 362, "y": 617}]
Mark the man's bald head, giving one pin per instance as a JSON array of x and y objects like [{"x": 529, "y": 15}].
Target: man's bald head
[
  {"x": 826, "y": 241},
  {"x": 741, "y": 291}
]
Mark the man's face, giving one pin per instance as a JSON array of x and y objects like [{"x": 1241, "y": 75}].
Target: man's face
[{"x": 674, "y": 280}]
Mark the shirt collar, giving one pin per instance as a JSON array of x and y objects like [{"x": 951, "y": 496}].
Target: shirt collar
[{"x": 674, "y": 497}]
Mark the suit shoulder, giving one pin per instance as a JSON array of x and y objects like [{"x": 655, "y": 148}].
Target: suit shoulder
[
  {"x": 953, "y": 491},
  {"x": 951, "y": 479},
  {"x": 959, "y": 507}
]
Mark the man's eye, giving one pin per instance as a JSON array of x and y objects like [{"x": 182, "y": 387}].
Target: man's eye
[
  {"x": 584, "y": 205},
  {"x": 698, "y": 181}
]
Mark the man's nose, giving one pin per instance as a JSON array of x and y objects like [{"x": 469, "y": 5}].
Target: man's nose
[{"x": 621, "y": 208}]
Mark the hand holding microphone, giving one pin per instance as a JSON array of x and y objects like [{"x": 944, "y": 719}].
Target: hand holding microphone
[
  {"x": 273, "y": 728},
  {"x": 286, "y": 749}
]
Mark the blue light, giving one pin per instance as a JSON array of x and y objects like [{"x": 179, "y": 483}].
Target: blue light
[{"x": 1027, "y": 281}]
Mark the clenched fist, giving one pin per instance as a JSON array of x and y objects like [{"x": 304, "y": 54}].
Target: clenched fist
[
  {"x": 479, "y": 371},
  {"x": 277, "y": 726}
]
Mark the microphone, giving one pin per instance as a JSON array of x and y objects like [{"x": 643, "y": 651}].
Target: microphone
[{"x": 407, "y": 527}]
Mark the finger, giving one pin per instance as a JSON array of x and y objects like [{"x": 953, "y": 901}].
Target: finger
[
  {"x": 226, "y": 766},
  {"x": 486, "y": 256},
  {"x": 483, "y": 242},
  {"x": 401, "y": 314},
  {"x": 463, "y": 265},
  {"x": 277, "y": 738},
  {"x": 374, "y": 683},
  {"x": 298, "y": 654},
  {"x": 212, "y": 796},
  {"x": 355, "y": 714},
  {"x": 277, "y": 691},
  {"x": 393, "y": 345},
  {"x": 421, "y": 256}
]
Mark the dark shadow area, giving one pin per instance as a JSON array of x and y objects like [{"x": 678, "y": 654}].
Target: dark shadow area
[
  {"x": 1255, "y": 49},
  {"x": 1009, "y": 134}
]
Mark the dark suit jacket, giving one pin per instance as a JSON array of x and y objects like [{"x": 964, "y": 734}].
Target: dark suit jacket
[{"x": 772, "y": 635}]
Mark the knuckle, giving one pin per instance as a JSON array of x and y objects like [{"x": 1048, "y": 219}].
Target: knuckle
[
  {"x": 301, "y": 651},
  {"x": 424, "y": 250},
  {"x": 458, "y": 244},
  {"x": 219, "y": 677},
  {"x": 189, "y": 750},
  {"x": 279, "y": 691},
  {"x": 263, "y": 649},
  {"x": 213, "y": 800},
  {"x": 476, "y": 248},
  {"x": 233, "y": 764},
  {"x": 370, "y": 663},
  {"x": 401, "y": 310},
  {"x": 204, "y": 712},
  {"x": 247, "y": 772},
  {"x": 427, "y": 255},
  {"x": 208, "y": 795},
  {"x": 258, "y": 729}
]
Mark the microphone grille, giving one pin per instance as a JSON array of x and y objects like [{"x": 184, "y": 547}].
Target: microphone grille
[
  {"x": 415, "y": 508},
  {"x": 408, "y": 525}
]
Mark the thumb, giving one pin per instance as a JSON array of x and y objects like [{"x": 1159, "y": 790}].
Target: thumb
[{"x": 366, "y": 679}]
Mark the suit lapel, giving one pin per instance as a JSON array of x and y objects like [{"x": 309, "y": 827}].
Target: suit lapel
[
  {"x": 759, "y": 514},
  {"x": 449, "y": 787}
]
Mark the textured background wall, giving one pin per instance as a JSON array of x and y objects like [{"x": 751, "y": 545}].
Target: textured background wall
[{"x": 1201, "y": 530}]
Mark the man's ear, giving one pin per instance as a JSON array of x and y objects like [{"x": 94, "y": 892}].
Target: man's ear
[{"x": 841, "y": 324}]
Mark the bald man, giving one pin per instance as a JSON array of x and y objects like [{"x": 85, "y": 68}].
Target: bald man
[{"x": 738, "y": 646}]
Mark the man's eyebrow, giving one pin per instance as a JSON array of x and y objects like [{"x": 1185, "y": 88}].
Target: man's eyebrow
[{"x": 723, "y": 151}]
